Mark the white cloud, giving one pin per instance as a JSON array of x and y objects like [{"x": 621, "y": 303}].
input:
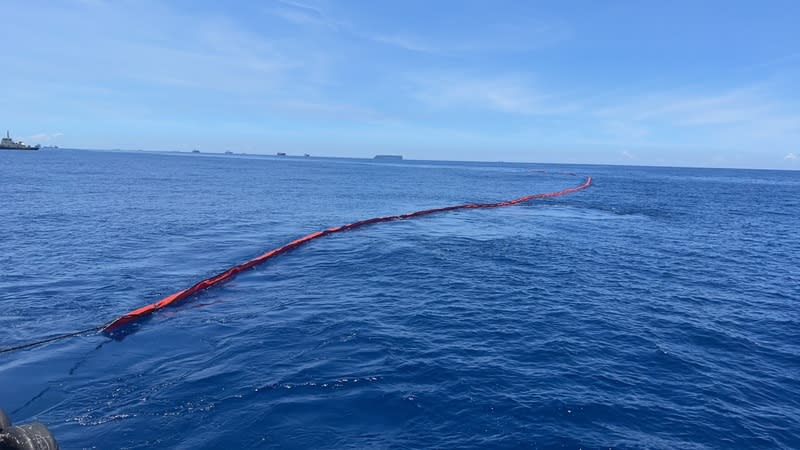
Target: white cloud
[{"x": 792, "y": 157}]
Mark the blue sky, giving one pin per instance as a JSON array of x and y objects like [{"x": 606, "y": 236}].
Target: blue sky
[{"x": 711, "y": 83}]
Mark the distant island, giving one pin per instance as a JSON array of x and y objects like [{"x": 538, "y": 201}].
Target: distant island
[{"x": 393, "y": 157}]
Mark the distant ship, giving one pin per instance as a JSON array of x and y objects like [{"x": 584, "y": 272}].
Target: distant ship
[
  {"x": 228, "y": 152},
  {"x": 281, "y": 154},
  {"x": 8, "y": 144},
  {"x": 394, "y": 157}
]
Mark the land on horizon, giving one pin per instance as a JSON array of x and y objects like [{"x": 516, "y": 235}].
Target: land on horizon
[{"x": 275, "y": 155}]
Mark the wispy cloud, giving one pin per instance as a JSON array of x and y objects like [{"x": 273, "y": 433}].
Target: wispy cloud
[
  {"x": 473, "y": 34},
  {"x": 465, "y": 34},
  {"x": 507, "y": 94},
  {"x": 44, "y": 138},
  {"x": 152, "y": 48},
  {"x": 405, "y": 42},
  {"x": 733, "y": 106},
  {"x": 792, "y": 157},
  {"x": 304, "y": 14},
  {"x": 150, "y": 42},
  {"x": 303, "y": 7},
  {"x": 737, "y": 119},
  {"x": 625, "y": 130},
  {"x": 743, "y": 116},
  {"x": 785, "y": 59},
  {"x": 481, "y": 38},
  {"x": 331, "y": 110}
]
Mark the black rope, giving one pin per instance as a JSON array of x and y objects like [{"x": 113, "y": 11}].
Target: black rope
[{"x": 50, "y": 339}]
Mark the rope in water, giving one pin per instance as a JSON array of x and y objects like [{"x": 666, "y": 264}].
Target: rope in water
[
  {"x": 147, "y": 310},
  {"x": 51, "y": 339}
]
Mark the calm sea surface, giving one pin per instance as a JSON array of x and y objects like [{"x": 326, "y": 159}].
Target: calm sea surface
[{"x": 659, "y": 308}]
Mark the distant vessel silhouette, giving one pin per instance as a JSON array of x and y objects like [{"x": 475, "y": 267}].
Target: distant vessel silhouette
[
  {"x": 9, "y": 144},
  {"x": 393, "y": 157}
]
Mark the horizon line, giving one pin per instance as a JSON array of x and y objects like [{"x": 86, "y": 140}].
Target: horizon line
[{"x": 301, "y": 156}]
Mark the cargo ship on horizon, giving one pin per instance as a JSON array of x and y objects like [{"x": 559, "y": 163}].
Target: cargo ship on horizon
[{"x": 9, "y": 144}]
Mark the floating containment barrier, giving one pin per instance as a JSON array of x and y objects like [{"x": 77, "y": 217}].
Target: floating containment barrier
[
  {"x": 115, "y": 327},
  {"x": 230, "y": 273}
]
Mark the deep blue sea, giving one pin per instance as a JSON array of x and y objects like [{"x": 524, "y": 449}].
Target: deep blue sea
[{"x": 657, "y": 309}]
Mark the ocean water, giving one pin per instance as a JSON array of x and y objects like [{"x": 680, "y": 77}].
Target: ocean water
[{"x": 657, "y": 309}]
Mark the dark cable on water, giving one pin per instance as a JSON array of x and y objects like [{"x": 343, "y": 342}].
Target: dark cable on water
[
  {"x": 111, "y": 328},
  {"x": 51, "y": 339}
]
